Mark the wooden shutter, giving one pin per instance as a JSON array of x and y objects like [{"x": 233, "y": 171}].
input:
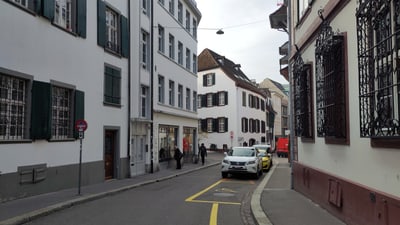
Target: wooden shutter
[
  {"x": 101, "y": 23},
  {"x": 79, "y": 107},
  {"x": 226, "y": 124},
  {"x": 81, "y": 18},
  {"x": 204, "y": 100},
  {"x": 226, "y": 98},
  {"x": 205, "y": 80},
  {"x": 215, "y": 99},
  {"x": 48, "y": 9},
  {"x": 213, "y": 78},
  {"x": 41, "y": 110},
  {"x": 215, "y": 125},
  {"x": 124, "y": 37}
]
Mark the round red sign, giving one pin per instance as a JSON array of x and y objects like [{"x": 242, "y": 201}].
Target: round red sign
[{"x": 81, "y": 125}]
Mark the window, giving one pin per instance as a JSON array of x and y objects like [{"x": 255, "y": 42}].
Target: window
[
  {"x": 187, "y": 21},
  {"x": 194, "y": 98},
  {"x": 210, "y": 125},
  {"x": 251, "y": 125},
  {"x": 161, "y": 39},
  {"x": 161, "y": 86},
  {"x": 143, "y": 102},
  {"x": 180, "y": 96},
  {"x": 331, "y": 91},
  {"x": 378, "y": 38},
  {"x": 23, "y": 3},
  {"x": 180, "y": 12},
  {"x": 55, "y": 108},
  {"x": 188, "y": 98},
  {"x": 63, "y": 14},
  {"x": 194, "y": 67},
  {"x": 13, "y": 121},
  {"x": 171, "y": 93},
  {"x": 145, "y": 50},
  {"x": 208, "y": 79},
  {"x": 303, "y": 6},
  {"x": 188, "y": 55},
  {"x": 145, "y": 7},
  {"x": 171, "y": 46},
  {"x": 161, "y": 2},
  {"x": 171, "y": 7},
  {"x": 61, "y": 124},
  {"x": 112, "y": 30},
  {"x": 209, "y": 100},
  {"x": 222, "y": 125},
  {"x": 221, "y": 98},
  {"x": 199, "y": 102},
  {"x": 245, "y": 123},
  {"x": 251, "y": 103},
  {"x": 180, "y": 53},
  {"x": 112, "y": 85},
  {"x": 194, "y": 29},
  {"x": 303, "y": 99},
  {"x": 244, "y": 99}
]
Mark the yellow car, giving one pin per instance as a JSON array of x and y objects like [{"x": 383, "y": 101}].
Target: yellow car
[{"x": 264, "y": 152}]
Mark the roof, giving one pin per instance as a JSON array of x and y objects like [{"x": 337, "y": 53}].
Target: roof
[{"x": 209, "y": 59}]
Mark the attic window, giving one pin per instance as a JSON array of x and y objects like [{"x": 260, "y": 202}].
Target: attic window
[
  {"x": 237, "y": 66},
  {"x": 221, "y": 60}
]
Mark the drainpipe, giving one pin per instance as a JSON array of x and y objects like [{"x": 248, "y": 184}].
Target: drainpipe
[
  {"x": 129, "y": 89},
  {"x": 151, "y": 85},
  {"x": 291, "y": 135}
]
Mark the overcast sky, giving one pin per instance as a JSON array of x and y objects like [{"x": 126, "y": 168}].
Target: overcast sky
[{"x": 248, "y": 39}]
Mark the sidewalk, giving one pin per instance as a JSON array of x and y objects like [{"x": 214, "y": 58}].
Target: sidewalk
[
  {"x": 283, "y": 206},
  {"x": 273, "y": 202}
]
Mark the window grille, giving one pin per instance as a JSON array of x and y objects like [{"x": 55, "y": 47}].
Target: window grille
[
  {"x": 303, "y": 99},
  {"x": 378, "y": 35},
  {"x": 330, "y": 84},
  {"x": 12, "y": 108},
  {"x": 61, "y": 125}
]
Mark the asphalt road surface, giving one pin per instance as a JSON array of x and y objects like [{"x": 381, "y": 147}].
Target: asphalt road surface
[{"x": 198, "y": 198}]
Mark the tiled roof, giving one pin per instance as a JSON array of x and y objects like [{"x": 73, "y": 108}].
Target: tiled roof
[{"x": 208, "y": 59}]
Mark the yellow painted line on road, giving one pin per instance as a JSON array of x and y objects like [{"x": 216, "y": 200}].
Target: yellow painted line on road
[
  {"x": 191, "y": 198},
  {"x": 214, "y": 214},
  {"x": 213, "y": 202}
]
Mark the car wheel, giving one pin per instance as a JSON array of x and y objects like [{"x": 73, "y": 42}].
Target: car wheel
[{"x": 224, "y": 175}]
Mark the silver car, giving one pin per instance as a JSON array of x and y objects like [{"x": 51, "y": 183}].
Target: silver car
[{"x": 242, "y": 160}]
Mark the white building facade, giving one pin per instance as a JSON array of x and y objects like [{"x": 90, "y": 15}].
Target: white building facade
[
  {"x": 344, "y": 76},
  {"x": 174, "y": 79},
  {"x": 62, "y": 61},
  {"x": 231, "y": 108}
]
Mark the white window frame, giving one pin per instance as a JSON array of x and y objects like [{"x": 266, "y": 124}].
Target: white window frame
[
  {"x": 144, "y": 42},
  {"x": 188, "y": 55},
  {"x": 161, "y": 88},
  {"x": 188, "y": 101},
  {"x": 112, "y": 21},
  {"x": 161, "y": 39},
  {"x": 143, "y": 101},
  {"x": 180, "y": 53},
  {"x": 171, "y": 93},
  {"x": 221, "y": 124},
  {"x": 209, "y": 100},
  {"x": 23, "y": 3},
  {"x": 221, "y": 98},
  {"x": 210, "y": 125},
  {"x": 171, "y": 7},
  {"x": 171, "y": 46},
  {"x": 187, "y": 20},
  {"x": 61, "y": 107},
  {"x": 180, "y": 96},
  {"x": 209, "y": 79},
  {"x": 194, "y": 98},
  {"x": 63, "y": 14}
]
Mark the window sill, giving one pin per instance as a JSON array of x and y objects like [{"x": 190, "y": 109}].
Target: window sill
[
  {"x": 385, "y": 142},
  {"x": 20, "y": 141},
  {"x": 112, "y": 104},
  {"x": 63, "y": 140}
]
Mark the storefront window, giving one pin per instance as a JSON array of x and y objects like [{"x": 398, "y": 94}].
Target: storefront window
[{"x": 168, "y": 136}]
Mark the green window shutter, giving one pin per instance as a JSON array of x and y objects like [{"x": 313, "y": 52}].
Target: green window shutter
[
  {"x": 79, "y": 108},
  {"x": 213, "y": 78},
  {"x": 101, "y": 23},
  {"x": 37, "y": 7},
  {"x": 81, "y": 18},
  {"x": 226, "y": 125},
  {"x": 215, "y": 125},
  {"x": 124, "y": 37},
  {"x": 48, "y": 9},
  {"x": 204, "y": 80},
  {"x": 41, "y": 110},
  {"x": 108, "y": 85},
  {"x": 226, "y": 98}
]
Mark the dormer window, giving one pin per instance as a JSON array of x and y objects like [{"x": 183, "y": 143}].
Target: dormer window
[
  {"x": 221, "y": 60},
  {"x": 237, "y": 67}
]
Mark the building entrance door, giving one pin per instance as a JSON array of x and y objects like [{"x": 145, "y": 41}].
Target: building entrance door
[
  {"x": 138, "y": 150},
  {"x": 109, "y": 153}
]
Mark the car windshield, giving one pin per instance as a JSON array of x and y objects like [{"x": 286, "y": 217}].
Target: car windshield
[{"x": 242, "y": 152}]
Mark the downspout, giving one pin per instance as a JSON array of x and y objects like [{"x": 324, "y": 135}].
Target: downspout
[
  {"x": 291, "y": 135},
  {"x": 151, "y": 85},
  {"x": 129, "y": 87}
]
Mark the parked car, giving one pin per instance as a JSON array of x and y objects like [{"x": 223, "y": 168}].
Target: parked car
[
  {"x": 242, "y": 160},
  {"x": 282, "y": 147},
  {"x": 265, "y": 153}
]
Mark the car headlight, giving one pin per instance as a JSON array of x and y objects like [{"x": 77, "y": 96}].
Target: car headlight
[
  {"x": 225, "y": 161},
  {"x": 251, "y": 162}
]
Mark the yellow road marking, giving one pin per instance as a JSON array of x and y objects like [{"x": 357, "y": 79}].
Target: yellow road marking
[
  {"x": 213, "y": 202},
  {"x": 191, "y": 198},
  {"x": 214, "y": 214}
]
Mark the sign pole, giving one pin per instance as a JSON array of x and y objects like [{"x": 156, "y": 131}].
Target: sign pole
[
  {"x": 80, "y": 126},
  {"x": 80, "y": 163}
]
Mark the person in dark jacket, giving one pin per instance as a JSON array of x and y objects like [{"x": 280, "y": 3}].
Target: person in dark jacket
[
  {"x": 202, "y": 152},
  {"x": 178, "y": 156}
]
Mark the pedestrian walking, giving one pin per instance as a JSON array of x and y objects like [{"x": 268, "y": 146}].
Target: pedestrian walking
[
  {"x": 202, "y": 152},
  {"x": 178, "y": 156}
]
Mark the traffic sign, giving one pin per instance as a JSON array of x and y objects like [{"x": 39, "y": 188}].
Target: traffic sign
[{"x": 81, "y": 125}]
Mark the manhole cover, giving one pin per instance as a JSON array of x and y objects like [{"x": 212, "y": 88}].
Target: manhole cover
[{"x": 219, "y": 194}]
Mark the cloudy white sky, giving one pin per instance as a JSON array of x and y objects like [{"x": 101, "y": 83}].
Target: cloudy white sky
[{"x": 248, "y": 40}]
